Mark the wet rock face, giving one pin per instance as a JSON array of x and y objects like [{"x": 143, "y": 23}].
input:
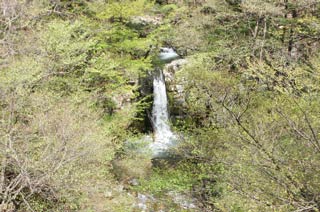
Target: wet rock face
[
  {"x": 170, "y": 70},
  {"x": 175, "y": 88},
  {"x": 145, "y": 84}
]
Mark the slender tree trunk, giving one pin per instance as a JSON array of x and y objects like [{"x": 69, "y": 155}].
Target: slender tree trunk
[
  {"x": 256, "y": 28},
  {"x": 2, "y": 179},
  {"x": 292, "y": 14},
  {"x": 264, "y": 37}
]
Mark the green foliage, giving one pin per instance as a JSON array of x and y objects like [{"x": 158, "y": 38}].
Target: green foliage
[
  {"x": 69, "y": 97},
  {"x": 20, "y": 72},
  {"x": 67, "y": 46},
  {"x": 166, "y": 180},
  {"x": 69, "y": 89},
  {"x": 169, "y": 8},
  {"x": 123, "y": 10}
]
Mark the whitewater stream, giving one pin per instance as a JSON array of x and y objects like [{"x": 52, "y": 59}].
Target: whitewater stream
[{"x": 164, "y": 138}]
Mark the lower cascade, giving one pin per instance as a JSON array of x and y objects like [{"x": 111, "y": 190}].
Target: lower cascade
[{"x": 163, "y": 136}]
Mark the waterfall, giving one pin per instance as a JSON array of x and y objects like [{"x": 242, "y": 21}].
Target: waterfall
[{"x": 163, "y": 136}]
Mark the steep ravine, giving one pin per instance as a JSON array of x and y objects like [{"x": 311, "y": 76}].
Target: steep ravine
[
  {"x": 156, "y": 146},
  {"x": 163, "y": 137}
]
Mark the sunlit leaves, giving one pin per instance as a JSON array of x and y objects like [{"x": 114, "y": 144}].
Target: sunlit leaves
[
  {"x": 124, "y": 9},
  {"x": 66, "y": 45}
]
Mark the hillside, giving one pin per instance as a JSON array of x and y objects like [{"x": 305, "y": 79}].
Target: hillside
[{"x": 165, "y": 105}]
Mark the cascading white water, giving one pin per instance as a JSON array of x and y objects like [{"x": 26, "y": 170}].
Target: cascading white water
[
  {"x": 163, "y": 136},
  {"x": 167, "y": 54}
]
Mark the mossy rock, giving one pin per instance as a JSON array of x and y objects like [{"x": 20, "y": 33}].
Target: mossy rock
[{"x": 126, "y": 169}]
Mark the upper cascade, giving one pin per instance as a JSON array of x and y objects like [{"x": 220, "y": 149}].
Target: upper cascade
[{"x": 168, "y": 54}]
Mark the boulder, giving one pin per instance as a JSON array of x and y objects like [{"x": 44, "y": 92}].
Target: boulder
[
  {"x": 146, "y": 20},
  {"x": 171, "y": 68}
]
